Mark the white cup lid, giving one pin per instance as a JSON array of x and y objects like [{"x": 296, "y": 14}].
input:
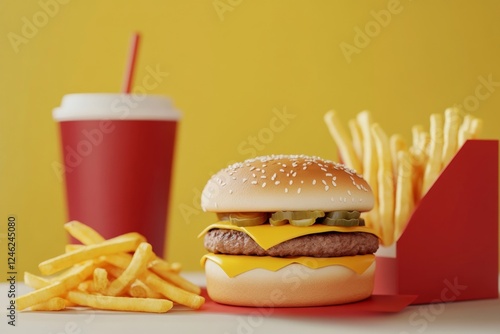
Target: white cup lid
[{"x": 111, "y": 106}]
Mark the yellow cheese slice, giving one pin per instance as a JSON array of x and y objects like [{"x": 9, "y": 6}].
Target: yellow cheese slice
[
  {"x": 234, "y": 265},
  {"x": 267, "y": 236}
]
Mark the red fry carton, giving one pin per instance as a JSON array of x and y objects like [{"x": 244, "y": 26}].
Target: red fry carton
[{"x": 449, "y": 249}]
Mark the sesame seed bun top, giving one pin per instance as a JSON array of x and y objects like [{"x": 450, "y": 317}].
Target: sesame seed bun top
[{"x": 286, "y": 183}]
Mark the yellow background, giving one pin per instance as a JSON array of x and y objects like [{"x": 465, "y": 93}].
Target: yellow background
[{"x": 230, "y": 72}]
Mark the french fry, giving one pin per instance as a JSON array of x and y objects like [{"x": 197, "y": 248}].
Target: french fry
[
  {"x": 339, "y": 135},
  {"x": 175, "y": 267},
  {"x": 404, "y": 193},
  {"x": 464, "y": 132},
  {"x": 433, "y": 167},
  {"x": 357, "y": 141},
  {"x": 86, "y": 286},
  {"x": 451, "y": 125},
  {"x": 120, "y": 303},
  {"x": 397, "y": 143},
  {"x": 53, "y": 304},
  {"x": 34, "y": 281},
  {"x": 385, "y": 184},
  {"x": 172, "y": 292},
  {"x": 370, "y": 167},
  {"x": 175, "y": 278},
  {"x": 416, "y": 130},
  {"x": 167, "y": 289},
  {"x": 126, "y": 243},
  {"x": 72, "y": 247},
  {"x": 115, "y": 272},
  {"x": 56, "y": 289},
  {"x": 136, "y": 267},
  {"x": 163, "y": 265},
  {"x": 83, "y": 233},
  {"x": 414, "y": 167},
  {"x": 140, "y": 290},
  {"x": 476, "y": 127},
  {"x": 101, "y": 281}
]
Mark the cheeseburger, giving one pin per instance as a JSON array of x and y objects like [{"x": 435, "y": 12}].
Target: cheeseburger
[{"x": 289, "y": 233}]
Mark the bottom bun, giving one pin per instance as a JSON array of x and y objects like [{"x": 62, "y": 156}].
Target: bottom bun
[{"x": 292, "y": 286}]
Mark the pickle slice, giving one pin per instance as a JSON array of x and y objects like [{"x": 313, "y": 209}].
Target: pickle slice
[
  {"x": 243, "y": 219},
  {"x": 343, "y": 214},
  {"x": 303, "y": 222},
  {"x": 280, "y": 218},
  {"x": 307, "y": 214},
  {"x": 341, "y": 222},
  {"x": 297, "y": 218}
]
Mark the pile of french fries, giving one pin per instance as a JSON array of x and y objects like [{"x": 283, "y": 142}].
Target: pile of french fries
[
  {"x": 103, "y": 274},
  {"x": 399, "y": 174}
]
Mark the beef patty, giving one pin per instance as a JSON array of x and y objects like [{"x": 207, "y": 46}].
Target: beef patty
[{"x": 329, "y": 244}]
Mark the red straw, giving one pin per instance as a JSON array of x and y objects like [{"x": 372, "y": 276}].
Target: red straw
[{"x": 129, "y": 71}]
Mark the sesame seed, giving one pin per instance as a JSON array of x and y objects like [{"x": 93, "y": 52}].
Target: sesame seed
[
  {"x": 301, "y": 181},
  {"x": 233, "y": 177},
  {"x": 334, "y": 184},
  {"x": 230, "y": 191},
  {"x": 324, "y": 169},
  {"x": 286, "y": 190},
  {"x": 252, "y": 168},
  {"x": 273, "y": 177},
  {"x": 314, "y": 182},
  {"x": 304, "y": 168},
  {"x": 284, "y": 165},
  {"x": 254, "y": 182},
  {"x": 349, "y": 192},
  {"x": 299, "y": 190},
  {"x": 291, "y": 182},
  {"x": 326, "y": 188},
  {"x": 263, "y": 176},
  {"x": 262, "y": 171},
  {"x": 334, "y": 178},
  {"x": 277, "y": 182},
  {"x": 282, "y": 170},
  {"x": 263, "y": 185},
  {"x": 329, "y": 174},
  {"x": 254, "y": 175},
  {"x": 244, "y": 180},
  {"x": 294, "y": 174},
  {"x": 324, "y": 182}
]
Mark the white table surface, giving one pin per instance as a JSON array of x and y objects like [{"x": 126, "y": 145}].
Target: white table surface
[{"x": 481, "y": 316}]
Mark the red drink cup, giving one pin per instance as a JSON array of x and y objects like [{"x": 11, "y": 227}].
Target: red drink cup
[{"x": 118, "y": 151}]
